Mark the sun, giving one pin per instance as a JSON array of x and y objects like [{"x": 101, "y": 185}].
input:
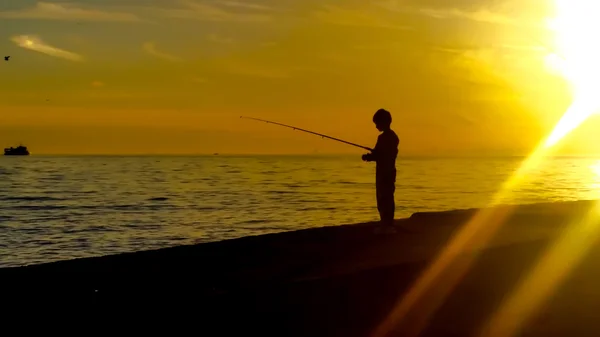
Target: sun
[{"x": 575, "y": 27}]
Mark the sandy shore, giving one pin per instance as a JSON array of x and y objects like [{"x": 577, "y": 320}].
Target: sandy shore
[{"x": 332, "y": 281}]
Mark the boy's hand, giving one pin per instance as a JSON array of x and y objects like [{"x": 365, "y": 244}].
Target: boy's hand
[{"x": 367, "y": 157}]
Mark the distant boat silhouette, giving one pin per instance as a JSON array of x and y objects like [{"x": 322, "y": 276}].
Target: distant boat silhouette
[{"x": 16, "y": 151}]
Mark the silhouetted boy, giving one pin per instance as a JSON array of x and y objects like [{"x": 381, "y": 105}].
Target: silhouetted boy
[{"x": 384, "y": 154}]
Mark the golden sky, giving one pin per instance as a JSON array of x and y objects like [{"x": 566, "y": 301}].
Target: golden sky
[{"x": 168, "y": 76}]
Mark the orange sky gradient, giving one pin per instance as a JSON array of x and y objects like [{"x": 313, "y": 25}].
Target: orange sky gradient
[{"x": 461, "y": 77}]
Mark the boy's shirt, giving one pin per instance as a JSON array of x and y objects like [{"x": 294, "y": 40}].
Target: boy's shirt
[{"x": 386, "y": 152}]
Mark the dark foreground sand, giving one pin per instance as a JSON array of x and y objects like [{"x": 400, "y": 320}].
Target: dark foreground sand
[{"x": 334, "y": 281}]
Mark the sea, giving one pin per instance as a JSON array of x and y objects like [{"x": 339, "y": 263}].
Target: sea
[{"x": 64, "y": 207}]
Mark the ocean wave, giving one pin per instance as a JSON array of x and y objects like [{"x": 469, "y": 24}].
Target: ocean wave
[
  {"x": 31, "y": 198},
  {"x": 296, "y": 185},
  {"x": 36, "y": 208},
  {"x": 57, "y": 177},
  {"x": 127, "y": 207},
  {"x": 304, "y": 209},
  {"x": 91, "y": 229},
  {"x": 256, "y": 221},
  {"x": 158, "y": 199},
  {"x": 282, "y": 192},
  {"x": 40, "y": 242},
  {"x": 307, "y": 201},
  {"x": 266, "y": 228}
]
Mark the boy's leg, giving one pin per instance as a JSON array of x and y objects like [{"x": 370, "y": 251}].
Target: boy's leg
[
  {"x": 391, "y": 204},
  {"x": 379, "y": 191},
  {"x": 385, "y": 203}
]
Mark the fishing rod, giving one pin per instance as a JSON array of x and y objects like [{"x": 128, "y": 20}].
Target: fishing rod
[{"x": 314, "y": 133}]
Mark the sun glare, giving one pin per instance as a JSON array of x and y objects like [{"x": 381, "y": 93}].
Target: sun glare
[
  {"x": 575, "y": 27},
  {"x": 555, "y": 63}
]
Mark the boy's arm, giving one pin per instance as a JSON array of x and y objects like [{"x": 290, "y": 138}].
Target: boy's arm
[
  {"x": 377, "y": 150},
  {"x": 386, "y": 146}
]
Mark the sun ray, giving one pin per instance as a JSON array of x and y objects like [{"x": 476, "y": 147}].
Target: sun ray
[{"x": 574, "y": 23}]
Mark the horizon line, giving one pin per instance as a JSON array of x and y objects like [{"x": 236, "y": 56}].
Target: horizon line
[{"x": 293, "y": 154}]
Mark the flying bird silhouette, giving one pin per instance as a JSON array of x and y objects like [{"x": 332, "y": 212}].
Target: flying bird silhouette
[{"x": 6, "y": 58}]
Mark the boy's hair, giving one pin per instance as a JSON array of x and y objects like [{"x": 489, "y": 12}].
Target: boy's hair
[{"x": 382, "y": 116}]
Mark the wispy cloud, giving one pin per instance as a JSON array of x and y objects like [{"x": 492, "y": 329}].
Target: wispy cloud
[
  {"x": 482, "y": 15},
  {"x": 377, "y": 46},
  {"x": 64, "y": 11},
  {"x": 150, "y": 48},
  {"x": 236, "y": 4},
  {"x": 353, "y": 17},
  {"x": 36, "y": 44},
  {"x": 532, "y": 48},
  {"x": 220, "y": 39},
  {"x": 255, "y": 70},
  {"x": 449, "y": 50},
  {"x": 499, "y": 47},
  {"x": 464, "y": 54},
  {"x": 215, "y": 12}
]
